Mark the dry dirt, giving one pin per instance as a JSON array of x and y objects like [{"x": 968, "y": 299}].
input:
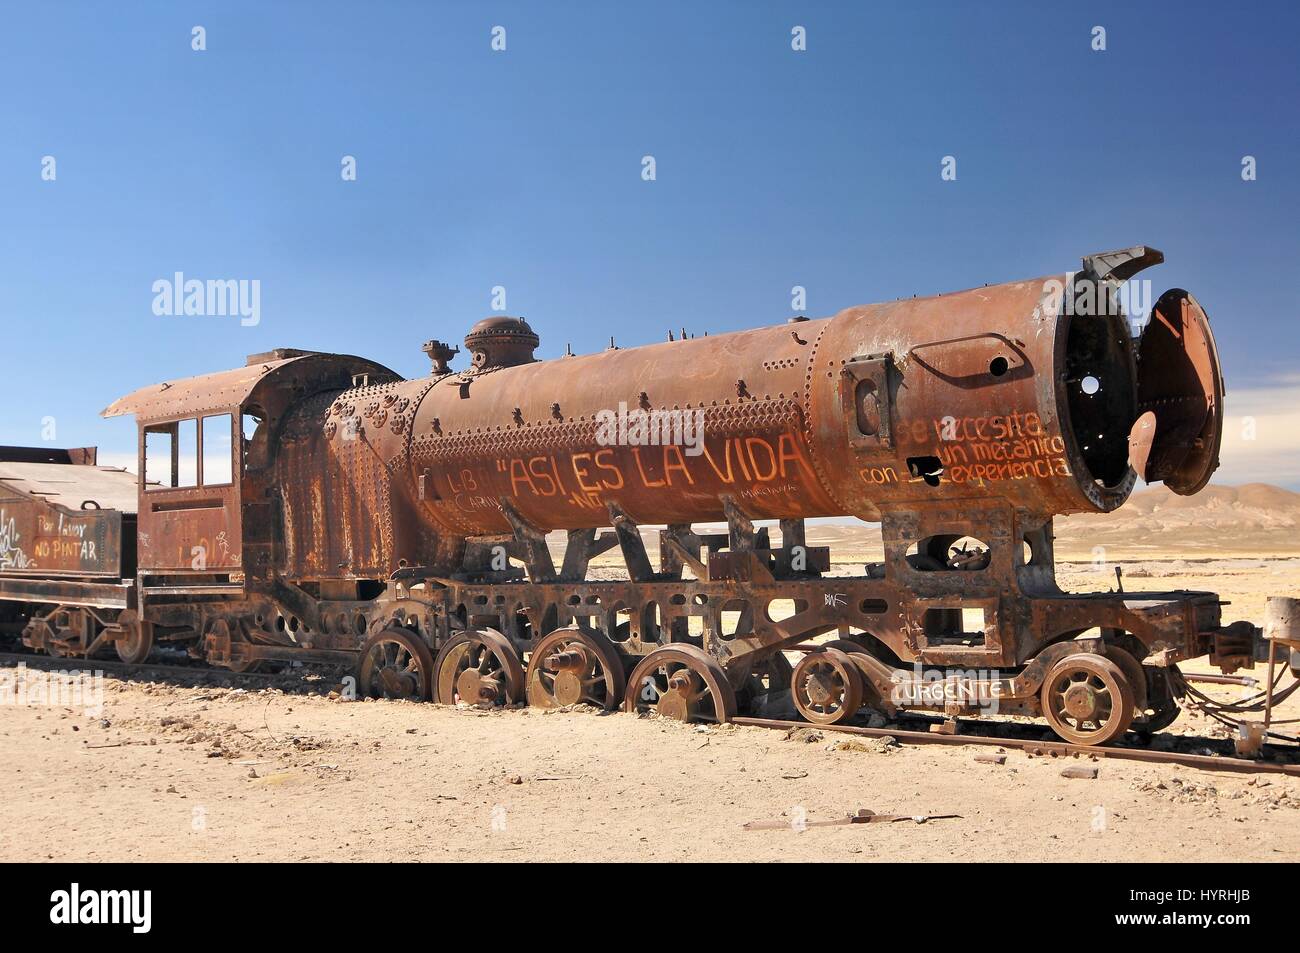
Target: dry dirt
[{"x": 173, "y": 771}]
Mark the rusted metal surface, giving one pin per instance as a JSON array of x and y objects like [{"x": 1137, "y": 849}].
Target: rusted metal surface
[
  {"x": 247, "y": 385},
  {"x": 575, "y": 666},
  {"x": 840, "y": 416},
  {"x": 102, "y": 595},
  {"x": 77, "y": 456},
  {"x": 224, "y": 525},
  {"x": 405, "y": 523},
  {"x": 64, "y": 520},
  {"x": 893, "y": 407},
  {"x": 1183, "y": 385}
]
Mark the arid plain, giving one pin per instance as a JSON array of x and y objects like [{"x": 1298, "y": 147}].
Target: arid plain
[{"x": 216, "y": 768}]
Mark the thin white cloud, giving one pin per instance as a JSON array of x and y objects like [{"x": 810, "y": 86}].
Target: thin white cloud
[{"x": 1261, "y": 434}]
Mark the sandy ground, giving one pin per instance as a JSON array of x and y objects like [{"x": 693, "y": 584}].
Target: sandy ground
[{"x": 184, "y": 771}]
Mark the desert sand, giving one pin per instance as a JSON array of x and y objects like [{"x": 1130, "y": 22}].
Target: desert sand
[{"x": 215, "y": 768}]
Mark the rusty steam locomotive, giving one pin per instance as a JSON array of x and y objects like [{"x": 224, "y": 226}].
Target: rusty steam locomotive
[{"x": 319, "y": 507}]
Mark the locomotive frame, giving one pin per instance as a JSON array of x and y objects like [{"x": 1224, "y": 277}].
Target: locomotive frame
[{"x": 326, "y": 523}]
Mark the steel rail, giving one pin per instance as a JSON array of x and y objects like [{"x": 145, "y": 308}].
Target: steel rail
[
  {"x": 908, "y": 736},
  {"x": 1050, "y": 748},
  {"x": 80, "y": 663}
]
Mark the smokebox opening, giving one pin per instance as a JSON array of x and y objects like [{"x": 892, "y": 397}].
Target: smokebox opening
[
  {"x": 1100, "y": 392},
  {"x": 1154, "y": 405}
]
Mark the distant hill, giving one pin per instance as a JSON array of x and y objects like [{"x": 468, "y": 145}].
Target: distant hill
[{"x": 1251, "y": 518}]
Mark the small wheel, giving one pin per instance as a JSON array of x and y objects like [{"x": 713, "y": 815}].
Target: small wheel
[
  {"x": 137, "y": 638},
  {"x": 395, "y": 663},
  {"x": 218, "y": 644},
  {"x": 481, "y": 668},
  {"x": 54, "y": 647},
  {"x": 872, "y": 695},
  {"x": 1087, "y": 700},
  {"x": 1133, "y": 671},
  {"x": 1165, "y": 715},
  {"x": 51, "y": 640},
  {"x": 827, "y": 687},
  {"x": 572, "y": 666},
  {"x": 681, "y": 682},
  {"x": 1161, "y": 703},
  {"x": 37, "y": 634}
]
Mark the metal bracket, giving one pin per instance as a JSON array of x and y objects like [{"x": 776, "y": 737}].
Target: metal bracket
[
  {"x": 531, "y": 543},
  {"x": 679, "y": 547},
  {"x": 582, "y": 548},
  {"x": 741, "y": 535},
  {"x": 1121, "y": 264},
  {"x": 866, "y": 400},
  {"x": 629, "y": 538}
]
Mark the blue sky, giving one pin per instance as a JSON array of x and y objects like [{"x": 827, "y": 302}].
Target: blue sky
[{"x": 522, "y": 169}]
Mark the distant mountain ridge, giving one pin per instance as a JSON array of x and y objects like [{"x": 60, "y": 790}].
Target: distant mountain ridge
[{"x": 1251, "y": 519}]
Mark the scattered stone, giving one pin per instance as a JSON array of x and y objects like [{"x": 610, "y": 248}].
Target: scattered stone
[
  {"x": 1086, "y": 772},
  {"x": 865, "y": 745},
  {"x": 806, "y": 735},
  {"x": 991, "y": 758},
  {"x": 1181, "y": 791}
]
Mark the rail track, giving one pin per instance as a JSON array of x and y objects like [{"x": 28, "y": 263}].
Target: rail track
[
  {"x": 77, "y": 663},
  {"x": 990, "y": 734},
  {"x": 1060, "y": 749}
]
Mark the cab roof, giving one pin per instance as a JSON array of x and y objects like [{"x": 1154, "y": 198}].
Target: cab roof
[{"x": 223, "y": 390}]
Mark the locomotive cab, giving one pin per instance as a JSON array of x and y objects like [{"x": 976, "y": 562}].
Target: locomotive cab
[
  {"x": 189, "y": 494},
  {"x": 205, "y": 458}
]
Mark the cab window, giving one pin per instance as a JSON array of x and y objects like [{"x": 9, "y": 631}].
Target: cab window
[
  {"x": 217, "y": 459},
  {"x": 252, "y": 425},
  {"x": 171, "y": 455}
]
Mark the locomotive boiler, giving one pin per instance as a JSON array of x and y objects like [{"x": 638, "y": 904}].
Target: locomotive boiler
[{"x": 440, "y": 532}]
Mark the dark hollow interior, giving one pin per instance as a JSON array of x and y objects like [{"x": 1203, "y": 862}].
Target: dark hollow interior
[{"x": 1099, "y": 357}]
